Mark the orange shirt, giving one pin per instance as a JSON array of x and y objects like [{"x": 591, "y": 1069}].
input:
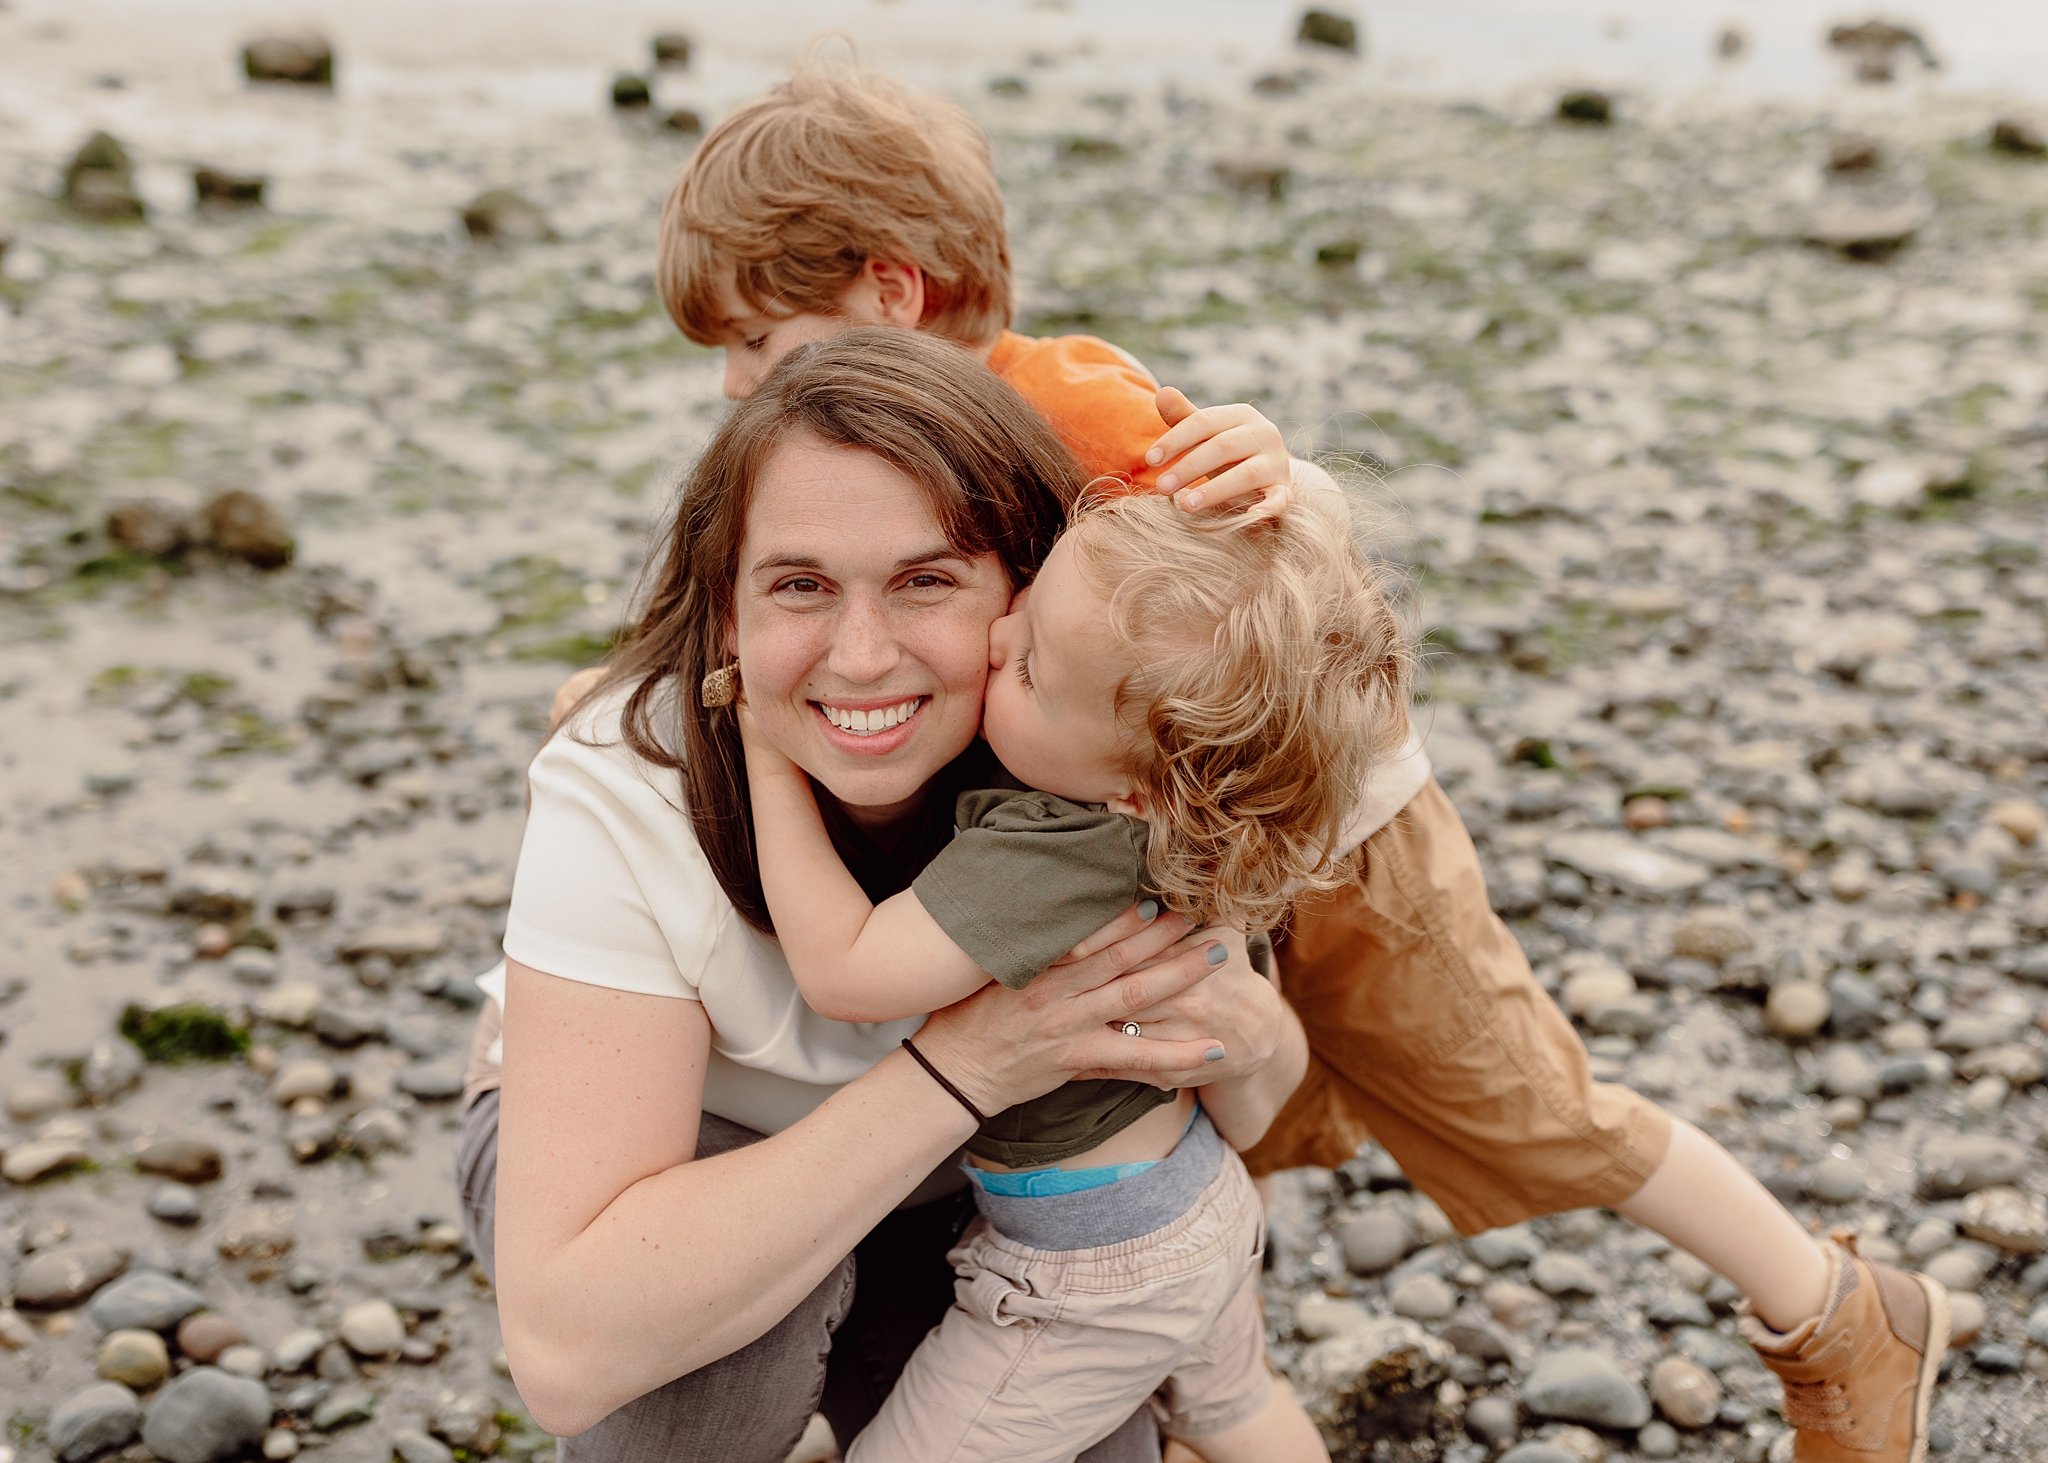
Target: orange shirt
[{"x": 1098, "y": 399}]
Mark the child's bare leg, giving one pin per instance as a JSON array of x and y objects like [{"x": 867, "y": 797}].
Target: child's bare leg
[
  {"x": 1280, "y": 1433},
  {"x": 1706, "y": 1203}
]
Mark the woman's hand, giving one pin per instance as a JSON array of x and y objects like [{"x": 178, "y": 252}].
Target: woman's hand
[
  {"x": 1003, "y": 1047},
  {"x": 1235, "y": 1006}
]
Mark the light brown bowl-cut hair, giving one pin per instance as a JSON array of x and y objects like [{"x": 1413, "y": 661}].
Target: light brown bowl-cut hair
[
  {"x": 790, "y": 196},
  {"x": 1270, "y": 674},
  {"x": 991, "y": 471}
]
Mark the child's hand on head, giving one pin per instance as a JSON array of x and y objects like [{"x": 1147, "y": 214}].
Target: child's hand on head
[{"x": 1237, "y": 451}]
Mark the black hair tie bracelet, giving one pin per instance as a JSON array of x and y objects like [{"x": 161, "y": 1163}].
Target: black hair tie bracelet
[{"x": 940, "y": 1078}]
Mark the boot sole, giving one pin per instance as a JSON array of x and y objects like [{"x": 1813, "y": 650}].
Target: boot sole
[{"x": 1930, "y": 1362}]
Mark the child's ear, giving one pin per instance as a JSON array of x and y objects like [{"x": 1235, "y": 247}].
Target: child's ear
[
  {"x": 899, "y": 292},
  {"x": 1130, "y": 804}
]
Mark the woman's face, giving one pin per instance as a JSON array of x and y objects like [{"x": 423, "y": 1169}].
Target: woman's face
[{"x": 862, "y": 635}]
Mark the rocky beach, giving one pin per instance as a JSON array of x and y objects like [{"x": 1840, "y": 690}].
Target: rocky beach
[{"x": 336, "y": 406}]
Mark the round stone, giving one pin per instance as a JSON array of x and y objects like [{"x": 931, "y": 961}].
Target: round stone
[
  {"x": 2007, "y": 1219},
  {"x": 137, "y": 1359},
  {"x": 1796, "y": 1009},
  {"x": 1657, "y": 1440},
  {"x": 372, "y": 1328},
  {"x": 1492, "y": 1420},
  {"x": 1423, "y": 1298},
  {"x": 279, "y": 1444},
  {"x": 145, "y": 1300},
  {"x": 1519, "y": 1307},
  {"x": 1496, "y": 1249},
  {"x": 244, "y": 1361},
  {"x": 1556, "y": 1273},
  {"x": 206, "y": 1416},
  {"x": 1961, "y": 1267},
  {"x": 53, "y": 1279},
  {"x": 205, "y": 1336},
  {"x": 1966, "y": 1315},
  {"x": 1317, "y": 1315},
  {"x": 1685, "y": 1392},
  {"x": 306, "y": 1077},
  {"x": 188, "y": 1160},
  {"x": 1837, "y": 1179},
  {"x": 174, "y": 1204},
  {"x": 91, "y": 1422},
  {"x": 1376, "y": 1240},
  {"x": 35, "y": 1098},
  {"x": 1585, "y": 1386}
]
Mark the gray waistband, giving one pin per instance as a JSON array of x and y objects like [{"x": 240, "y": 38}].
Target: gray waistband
[{"x": 1114, "y": 1213}]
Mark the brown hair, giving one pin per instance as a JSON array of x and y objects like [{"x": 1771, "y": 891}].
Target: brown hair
[
  {"x": 1270, "y": 673},
  {"x": 991, "y": 471},
  {"x": 789, "y": 197}
]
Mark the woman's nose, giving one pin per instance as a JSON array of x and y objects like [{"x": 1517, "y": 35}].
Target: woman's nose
[{"x": 864, "y": 647}]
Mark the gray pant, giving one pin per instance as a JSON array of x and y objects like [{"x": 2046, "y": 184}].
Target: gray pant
[{"x": 839, "y": 1351}]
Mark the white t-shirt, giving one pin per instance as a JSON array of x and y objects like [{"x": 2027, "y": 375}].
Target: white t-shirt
[{"x": 613, "y": 890}]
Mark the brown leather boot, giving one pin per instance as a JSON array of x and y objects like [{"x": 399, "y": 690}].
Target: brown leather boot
[{"x": 1859, "y": 1377}]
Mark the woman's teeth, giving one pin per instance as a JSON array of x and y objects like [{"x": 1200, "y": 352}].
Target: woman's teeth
[{"x": 867, "y": 723}]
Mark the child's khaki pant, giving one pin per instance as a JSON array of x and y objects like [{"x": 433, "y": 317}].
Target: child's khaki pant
[
  {"x": 1428, "y": 1032},
  {"x": 1044, "y": 1351}
]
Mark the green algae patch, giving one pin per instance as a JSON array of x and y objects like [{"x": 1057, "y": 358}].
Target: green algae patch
[{"x": 190, "y": 1032}]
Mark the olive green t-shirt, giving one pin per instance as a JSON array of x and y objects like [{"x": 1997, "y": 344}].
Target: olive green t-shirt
[{"x": 1027, "y": 877}]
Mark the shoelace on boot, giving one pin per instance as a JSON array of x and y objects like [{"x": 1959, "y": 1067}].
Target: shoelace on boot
[{"x": 1817, "y": 1407}]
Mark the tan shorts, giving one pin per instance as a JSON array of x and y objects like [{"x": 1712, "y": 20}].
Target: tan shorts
[
  {"x": 1429, "y": 1034},
  {"x": 1046, "y": 1351}
]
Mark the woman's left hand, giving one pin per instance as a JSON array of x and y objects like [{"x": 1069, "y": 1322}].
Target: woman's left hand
[{"x": 1235, "y": 1005}]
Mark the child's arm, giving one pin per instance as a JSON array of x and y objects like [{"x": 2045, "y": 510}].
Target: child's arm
[{"x": 853, "y": 960}]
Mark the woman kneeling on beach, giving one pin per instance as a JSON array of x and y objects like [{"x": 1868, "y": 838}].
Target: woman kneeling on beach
[{"x": 686, "y": 1166}]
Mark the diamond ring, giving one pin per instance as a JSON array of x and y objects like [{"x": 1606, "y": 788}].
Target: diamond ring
[{"x": 1132, "y": 1028}]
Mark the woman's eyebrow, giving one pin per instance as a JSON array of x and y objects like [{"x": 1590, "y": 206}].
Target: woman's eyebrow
[{"x": 774, "y": 559}]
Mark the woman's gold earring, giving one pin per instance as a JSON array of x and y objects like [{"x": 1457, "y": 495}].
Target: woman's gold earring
[{"x": 721, "y": 687}]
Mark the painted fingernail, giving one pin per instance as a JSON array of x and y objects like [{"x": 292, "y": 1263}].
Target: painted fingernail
[
  {"x": 1148, "y": 910},
  {"x": 1215, "y": 954},
  {"x": 1214, "y": 1054}
]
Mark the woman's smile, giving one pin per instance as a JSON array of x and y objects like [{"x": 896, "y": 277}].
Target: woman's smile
[{"x": 873, "y": 727}]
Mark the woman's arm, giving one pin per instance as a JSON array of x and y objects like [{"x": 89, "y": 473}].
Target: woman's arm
[
  {"x": 623, "y": 1262},
  {"x": 853, "y": 960}
]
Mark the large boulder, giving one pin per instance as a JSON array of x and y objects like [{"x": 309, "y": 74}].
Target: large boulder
[
  {"x": 1329, "y": 29},
  {"x": 205, "y": 1416},
  {"x": 298, "y": 58},
  {"x": 91, "y": 1422},
  {"x": 1373, "y": 1382},
  {"x": 244, "y": 526},
  {"x": 2018, "y": 138},
  {"x": 219, "y": 188},
  {"x": 99, "y": 181},
  {"x": 1874, "y": 48},
  {"x": 503, "y": 216}
]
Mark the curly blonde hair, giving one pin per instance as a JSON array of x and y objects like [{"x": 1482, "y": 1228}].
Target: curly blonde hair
[{"x": 1270, "y": 674}]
